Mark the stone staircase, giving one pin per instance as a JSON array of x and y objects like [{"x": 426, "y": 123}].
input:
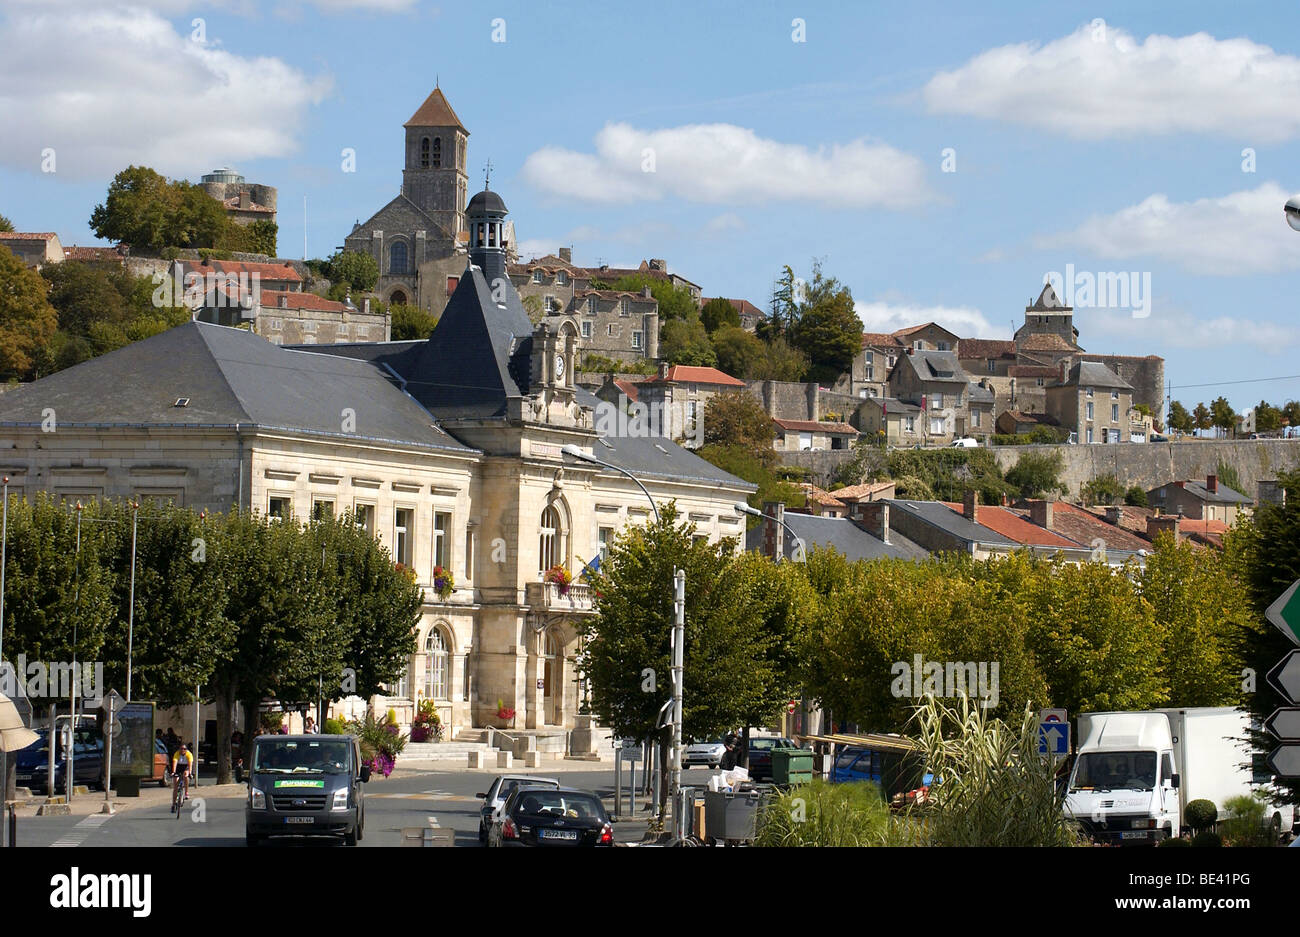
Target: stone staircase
[{"x": 457, "y": 751}]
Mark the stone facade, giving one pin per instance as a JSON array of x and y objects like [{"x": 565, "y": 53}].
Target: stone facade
[
  {"x": 33, "y": 249},
  {"x": 1094, "y": 404},
  {"x": 244, "y": 202}
]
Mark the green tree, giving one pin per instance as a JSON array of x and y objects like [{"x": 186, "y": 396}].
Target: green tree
[
  {"x": 5, "y": 224},
  {"x": 828, "y": 329},
  {"x": 1180, "y": 419},
  {"x": 718, "y": 313},
  {"x": 737, "y": 664},
  {"x": 685, "y": 341},
  {"x": 783, "y": 362},
  {"x": 1268, "y": 418},
  {"x": 411, "y": 323},
  {"x": 675, "y": 302},
  {"x": 27, "y": 320},
  {"x": 354, "y": 269},
  {"x": 1201, "y": 417},
  {"x": 786, "y": 296},
  {"x": 745, "y": 464},
  {"x": 1037, "y": 473},
  {"x": 1103, "y": 489},
  {"x": 737, "y": 419},
  {"x": 1291, "y": 413},
  {"x": 739, "y": 353},
  {"x": 1222, "y": 416},
  {"x": 150, "y": 212},
  {"x": 1136, "y": 496}
]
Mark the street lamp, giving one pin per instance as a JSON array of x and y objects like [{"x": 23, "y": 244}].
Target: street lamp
[
  {"x": 679, "y": 646},
  {"x": 1292, "y": 210},
  {"x": 798, "y": 554}
]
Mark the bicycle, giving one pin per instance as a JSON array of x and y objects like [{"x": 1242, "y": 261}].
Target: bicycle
[{"x": 180, "y": 790}]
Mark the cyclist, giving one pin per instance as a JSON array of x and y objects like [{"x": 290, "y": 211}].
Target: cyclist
[{"x": 182, "y": 763}]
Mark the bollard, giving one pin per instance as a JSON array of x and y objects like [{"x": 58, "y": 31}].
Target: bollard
[{"x": 13, "y": 825}]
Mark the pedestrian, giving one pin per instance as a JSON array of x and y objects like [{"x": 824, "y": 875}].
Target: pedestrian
[
  {"x": 310, "y": 728},
  {"x": 731, "y": 757}
]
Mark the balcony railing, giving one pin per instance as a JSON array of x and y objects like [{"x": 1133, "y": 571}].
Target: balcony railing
[{"x": 547, "y": 595}]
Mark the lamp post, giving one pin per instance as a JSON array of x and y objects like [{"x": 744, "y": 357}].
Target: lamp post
[
  {"x": 679, "y": 645},
  {"x": 130, "y": 614},
  {"x": 4, "y": 545},
  {"x": 797, "y": 555}
]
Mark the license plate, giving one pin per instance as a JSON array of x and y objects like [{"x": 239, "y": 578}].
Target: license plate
[
  {"x": 1137, "y": 834},
  {"x": 299, "y": 819},
  {"x": 559, "y": 834}
]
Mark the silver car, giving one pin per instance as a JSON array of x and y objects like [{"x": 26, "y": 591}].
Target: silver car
[
  {"x": 496, "y": 795},
  {"x": 703, "y": 753}
]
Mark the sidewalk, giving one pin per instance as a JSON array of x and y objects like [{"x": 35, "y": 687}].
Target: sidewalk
[{"x": 150, "y": 796}]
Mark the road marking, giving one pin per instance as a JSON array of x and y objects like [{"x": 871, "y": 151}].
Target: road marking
[
  {"x": 83, "y": 829},
  {"x": 424, "y": 795}
]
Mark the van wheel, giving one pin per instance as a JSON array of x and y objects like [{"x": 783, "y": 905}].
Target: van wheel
[
  {"x": 361, "y": 828},
  {"x": 350, "y": 837},
  {"x": 252, "y": 840}
]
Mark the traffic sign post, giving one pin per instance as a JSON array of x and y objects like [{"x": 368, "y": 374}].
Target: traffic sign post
[
  {"x": 1285, "y": 677},
  {"x": 1285, "y": 722},
  {"x": 1053, "y": 732},
  {"x": 1284, "y": 613},
  {"x": 1285, "y": 760}
]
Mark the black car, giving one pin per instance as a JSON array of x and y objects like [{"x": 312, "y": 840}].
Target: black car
[
  {"x": 563, "y": 816},
  {"x": 760, "y": 756},
  {"x": 33, "y": 762}
]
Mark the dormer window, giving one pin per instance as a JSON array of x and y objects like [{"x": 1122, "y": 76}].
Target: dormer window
[
  {"x": 591, "y": 305},
  {"x": 625, "y": 306},
  {"x": 562, "y": 278},
  {"x": 537, "y": 276}
]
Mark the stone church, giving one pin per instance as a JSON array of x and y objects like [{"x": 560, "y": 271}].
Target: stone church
[
  {"x": 452, "y": 457},
  {"x": 419, "y": 239}
]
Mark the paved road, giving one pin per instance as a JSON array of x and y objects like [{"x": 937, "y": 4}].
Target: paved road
[{"x": 216, "y": 817}]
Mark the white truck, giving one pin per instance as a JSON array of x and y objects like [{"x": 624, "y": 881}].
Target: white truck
[{"x": 1136, "y": 772}]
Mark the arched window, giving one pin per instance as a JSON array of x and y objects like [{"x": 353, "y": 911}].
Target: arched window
[
  {"x": 397, "y": 257},
  {"x": 551, "y": 539},
  {"x": 424, "y": 152},
  {"x": 437, "y": 152},
  {"x": 437, "y": 674}
]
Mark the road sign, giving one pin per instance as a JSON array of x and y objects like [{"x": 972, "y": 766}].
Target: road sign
[
  {"x": 1285, "y": 677},
  {"x": 1053, "y": 715},
  {"x": 630, "y": 744},
  {"x": 1284, "y": 723},
  {"x": 1053, "y": 738},
  {"x": 1285, "y": 761},
  {"x": 1285, "y": 612},
  {"x": 790, "y": 707}
]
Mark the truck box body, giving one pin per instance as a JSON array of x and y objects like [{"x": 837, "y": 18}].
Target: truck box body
[{"x": 1136, "y": 772}]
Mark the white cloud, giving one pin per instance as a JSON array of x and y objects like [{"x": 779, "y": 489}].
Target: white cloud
[
  {"x": 725, "y": 163},
  {"x": 964, "y": 321},
  {"x": 531, "y": 248},
  {"x": 110, "y": 88},
  {"x": 727, "y": 221},
  {"x": 1236, "y": 234},
  {"x": 1093, "y": 88},
  {"x": 239, "y": 7},
  {"x": 1168, "y": 327}
]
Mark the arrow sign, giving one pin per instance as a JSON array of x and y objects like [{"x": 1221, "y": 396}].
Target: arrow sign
[
  {"x": 1285, "y": 612},
  {"x": 1284, "y": 723},
  {"x": 1285, "y": 761},
  {"x": 1053, "y": 739},
  {"x": 1285, "y": 677}
]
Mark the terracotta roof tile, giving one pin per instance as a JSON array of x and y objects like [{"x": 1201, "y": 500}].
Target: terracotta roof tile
[
  {"x": 628, "y": 388},
  {"x": 435, "y": 112},
  {"x": 1046, "y": 341},
  {"x": 814, "y": 426},
  {"x": 295, "y": 300},
  {"x": 862, "y": 492},
  {"x": 821, "y": 496},
  {"x": 883, "y": 339},
  {"x": 682, "y": 373},
  {"x": 985, "y": 348},
  {"x": 1014, "y": 527},
  {"x": 1084, "y": 527},
  {"x": 27, "y": 235}
]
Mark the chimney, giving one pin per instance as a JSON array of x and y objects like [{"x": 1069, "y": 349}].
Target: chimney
[
  {"x": 1114, "y": 514},
  {"x": 566, "y": 254},
  {"x": 1212, "y": 484},
  {"x": 1041, "y": 512},
  {"x": 874, "y": 516},
  {"x": 245, "y": 199},
  {"x": 663, "y": 370},
  {"x": 645, "y": 293},
  {"x": 772, "y": 529},
  {"x": 1164, "y": 522},
  {"x": 365, "y": 305},
  {"x": 1181, "y": 484},
  {"x": 970, "y": 505}
]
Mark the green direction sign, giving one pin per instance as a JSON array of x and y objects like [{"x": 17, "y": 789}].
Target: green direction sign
[{"x": 1285, "y": 612}]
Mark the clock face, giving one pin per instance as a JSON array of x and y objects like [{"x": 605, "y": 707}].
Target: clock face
[{"x": 559, "y": 367}]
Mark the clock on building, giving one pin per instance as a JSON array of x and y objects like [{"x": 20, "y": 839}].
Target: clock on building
[{"x": 559, "y": 367}]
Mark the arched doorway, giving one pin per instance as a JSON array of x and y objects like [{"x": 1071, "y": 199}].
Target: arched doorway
[
  {"x": 552, "y": 677},
  {"x": 398, "y": 298}
]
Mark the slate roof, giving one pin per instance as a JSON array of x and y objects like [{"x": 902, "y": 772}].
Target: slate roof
[
  {"x": 980, "y": 394},
  {"x": 953, "y": 522},
  {"x": 435, "y": 112},
  {"x": 478, "y": 355},
  {"x": 1048, "y": 301},
  {"x": 894, "y": 405},
  {"x": 230, "y": 376},
  {"x": 940, "y": 366},
  {"x": 840, "y": 533},
  {"x": 1093, "y": 374},
  {"x": 1197, "y": 489}
]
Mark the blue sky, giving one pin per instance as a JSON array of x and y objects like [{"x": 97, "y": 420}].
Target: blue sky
[{"x": 1112, "y": 146}]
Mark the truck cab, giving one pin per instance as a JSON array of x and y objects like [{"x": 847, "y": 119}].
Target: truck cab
[
  {"x": 1124, "y": 788},
  {"x": 306, "y": 785}
]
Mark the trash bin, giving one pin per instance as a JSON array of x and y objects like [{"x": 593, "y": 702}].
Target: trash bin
[
  {"x": 731, "y": 815},
  {"x": 791, "y": 766}
]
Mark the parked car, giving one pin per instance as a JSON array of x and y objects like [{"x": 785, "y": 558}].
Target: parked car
[
  {"x": 33, "y": 762},
  {"x": 495, "y": 797},
  {"x": 306, "y": 785},
  {"x": 564, "y": 816},
  {"x": 703, "y": 753},
  {"x": 1159, "y": 437},
  {"x": 760, "y": 755},
  {"x": 964, "y": 442}
]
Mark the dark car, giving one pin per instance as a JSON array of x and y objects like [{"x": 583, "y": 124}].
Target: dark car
[
  {"x": 495, "y": 797},
  {"x": 760, "y": 756},
  {"x": 33, "y": 762},
  {"x": 306, "y": 785},
  {"x": 566, "y": 816}
]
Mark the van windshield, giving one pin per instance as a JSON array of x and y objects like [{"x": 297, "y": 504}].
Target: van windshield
[
  {"x": 327, "y": 756},
  {"x": 1105, "y": 771}
]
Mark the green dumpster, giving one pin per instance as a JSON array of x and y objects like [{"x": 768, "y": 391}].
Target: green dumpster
[{"x": 791, "y": 766}]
